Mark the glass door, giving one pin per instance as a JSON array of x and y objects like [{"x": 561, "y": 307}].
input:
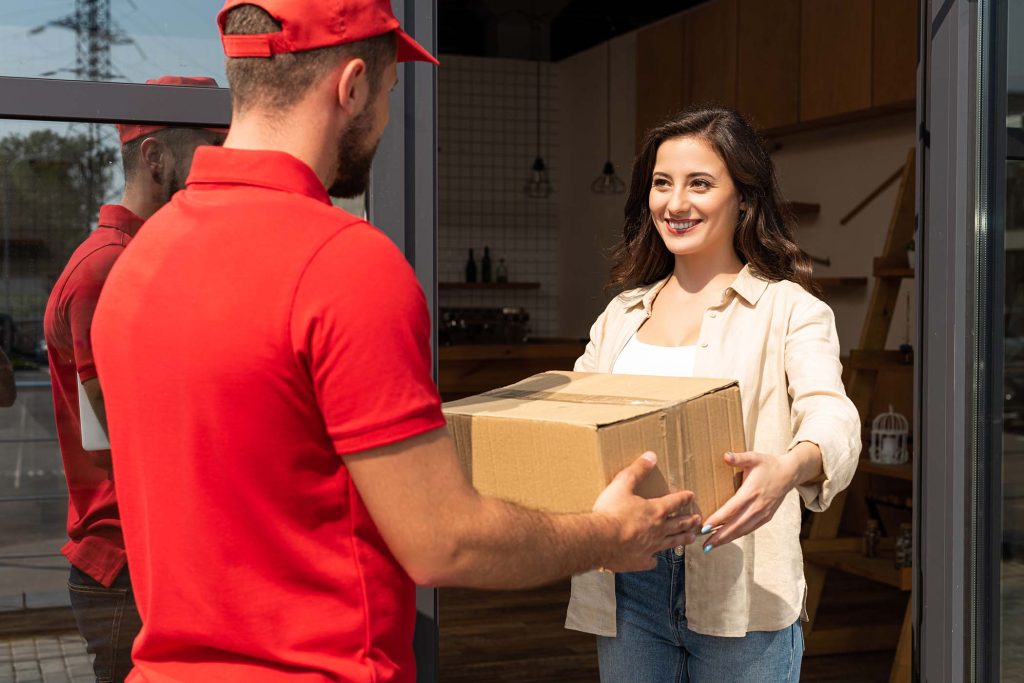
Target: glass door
[{"x": 1009, "y": 474}]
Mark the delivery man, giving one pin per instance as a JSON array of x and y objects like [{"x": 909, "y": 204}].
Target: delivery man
[
  {"x": 283, "y": 466},
  {"x": 156, "y": 161}
]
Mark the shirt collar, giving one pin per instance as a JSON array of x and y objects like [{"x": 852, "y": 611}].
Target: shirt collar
[
  {"x": 119, "y": 218},
  {"x": 258, "y": 168},
  {"x": 746, "y": 285}
]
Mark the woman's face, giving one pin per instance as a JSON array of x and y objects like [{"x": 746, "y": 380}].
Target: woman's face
[{"x": 693, "y": 201}]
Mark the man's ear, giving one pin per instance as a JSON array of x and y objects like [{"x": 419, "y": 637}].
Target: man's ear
[
  {"x": 353, "y": 87},
  {"x": 153, "y": 155}
]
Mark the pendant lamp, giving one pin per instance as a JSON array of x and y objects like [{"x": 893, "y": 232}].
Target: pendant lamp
[
  {"x": 608, "y": 182},
  {"x": 538, "y": 186}
]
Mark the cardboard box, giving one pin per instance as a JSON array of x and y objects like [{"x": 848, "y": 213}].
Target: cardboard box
[{"x": 553, "y": 441}]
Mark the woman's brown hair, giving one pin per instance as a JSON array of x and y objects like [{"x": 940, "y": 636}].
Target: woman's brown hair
[{"x": 763, "y": 239}]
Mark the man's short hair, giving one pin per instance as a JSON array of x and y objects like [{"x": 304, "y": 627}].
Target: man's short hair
[
  {"x": 178, "y": 139},
  {"x": 282, "y": 80}
]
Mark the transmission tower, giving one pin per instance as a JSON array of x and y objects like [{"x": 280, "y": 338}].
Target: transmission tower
[{"x": 95, "y": 34}]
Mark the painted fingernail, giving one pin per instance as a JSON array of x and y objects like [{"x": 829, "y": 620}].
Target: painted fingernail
[
  {"x": 705, "y": 529},
  {"x": 707, "y": 548}
]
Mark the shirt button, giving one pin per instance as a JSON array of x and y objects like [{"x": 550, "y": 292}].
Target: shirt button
[
  {"x": 679, "y": 550},
  {"x": 704, "y": 345},
  {"x": 713, "y": 314}
]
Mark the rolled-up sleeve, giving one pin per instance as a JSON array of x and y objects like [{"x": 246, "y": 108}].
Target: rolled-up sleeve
[{"x": 821, "y": 412}]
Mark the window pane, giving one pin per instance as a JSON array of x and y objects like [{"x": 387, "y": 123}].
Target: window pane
[
  {"x": 105, "y": 40},
  {"x": 54, "y": 177},
  {"x": 1012, "y": 646}
]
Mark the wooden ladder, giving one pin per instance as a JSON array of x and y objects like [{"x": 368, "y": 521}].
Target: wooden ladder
[{"x": 824, "y": 549}]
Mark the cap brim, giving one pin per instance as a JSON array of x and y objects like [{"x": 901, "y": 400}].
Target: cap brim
[{"x": 411, "y": 51}]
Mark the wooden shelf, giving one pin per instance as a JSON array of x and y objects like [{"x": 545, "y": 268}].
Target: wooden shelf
[
  {"x": 845, "y": 555},
  {"x": 487, "y": 285},
  {"x": 895, "y": 268},
  {"x": 905, "y": 471},
  {"x": 905, "y": 107},
  {"x": 836, "y": 283},
  {"x": 878, "y": 360},
  {"x": 804, "y": 208}
]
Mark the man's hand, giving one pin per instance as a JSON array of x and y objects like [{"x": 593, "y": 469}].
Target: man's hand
[{"x": 645, "y": 526}]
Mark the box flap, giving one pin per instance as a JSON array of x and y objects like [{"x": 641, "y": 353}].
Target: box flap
[{"x": 582, "y": 398}]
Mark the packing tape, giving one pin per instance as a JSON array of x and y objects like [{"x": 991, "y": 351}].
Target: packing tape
[{"x": 576, "y": 398}]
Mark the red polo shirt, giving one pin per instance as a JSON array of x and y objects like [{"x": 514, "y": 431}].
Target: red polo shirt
[
  {"x": 252, "y": 337},
  {"x": 94, "y": 526}
]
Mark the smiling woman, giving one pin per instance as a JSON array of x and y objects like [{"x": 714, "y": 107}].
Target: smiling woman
[{"x": 719, "y": 289}]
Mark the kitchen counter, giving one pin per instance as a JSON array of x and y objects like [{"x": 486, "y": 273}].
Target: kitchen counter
[{"x": 467, "y": 369}]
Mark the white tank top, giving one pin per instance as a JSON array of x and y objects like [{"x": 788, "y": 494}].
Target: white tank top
[{"x": 639, "y": 358}]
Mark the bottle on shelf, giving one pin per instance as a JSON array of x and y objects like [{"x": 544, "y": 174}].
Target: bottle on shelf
[
  {"x": 471, "y": 268},
  {"x": 905, "y": 546},
  {"x": 485, "y": 266},
  {"x": 501, "y": 272},
  {"x": 871, "y": 537}
]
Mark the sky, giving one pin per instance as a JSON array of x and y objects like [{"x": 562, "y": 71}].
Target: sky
[{"x": 169, "y": 37}]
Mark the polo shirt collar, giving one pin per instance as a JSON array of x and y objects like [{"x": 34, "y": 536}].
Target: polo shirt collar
[
  {"x": 747, "y": 285},
  {"x": 256, "y": 168},
  {"x": 119, "y": 218}
]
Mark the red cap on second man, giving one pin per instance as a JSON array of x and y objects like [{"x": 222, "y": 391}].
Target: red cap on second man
[
  {"x": 131, "y": 131},
  {"x": 312, "y": 24}
]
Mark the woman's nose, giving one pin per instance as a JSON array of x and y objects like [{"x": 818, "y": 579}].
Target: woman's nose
[{"x": 679, "y": 203}]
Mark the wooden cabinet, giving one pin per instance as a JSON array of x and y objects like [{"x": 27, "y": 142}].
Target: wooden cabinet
[
  {"x": 472, "y": 369},
  {"x": 711, "y": 53},
  {"x": 661, "y": 79},
  {"x": 894, "y": 52},
  {"x": 835, "y": 57},
  {"x": 786, "y": 64},
  {"x": 768, "y": 54}
]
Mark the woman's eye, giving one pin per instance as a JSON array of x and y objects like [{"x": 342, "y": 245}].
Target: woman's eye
[
  {"x": 701, "y": 184},
  {"x": 660, "y": 182}
]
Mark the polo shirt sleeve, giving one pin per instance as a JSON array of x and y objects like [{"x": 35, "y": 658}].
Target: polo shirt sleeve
[
  {"x": 82, "y": 291},
  {"x": 361, "y": 328}
]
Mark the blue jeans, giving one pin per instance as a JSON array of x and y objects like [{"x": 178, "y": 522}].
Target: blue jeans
[
  {"x": 654, "y": 645},
  {"x": 108, "y": 621}
]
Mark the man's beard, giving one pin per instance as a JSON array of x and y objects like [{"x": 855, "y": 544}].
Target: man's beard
[
  {"x": 355, "y": 157},
  {"x": 175, "y": 181}
]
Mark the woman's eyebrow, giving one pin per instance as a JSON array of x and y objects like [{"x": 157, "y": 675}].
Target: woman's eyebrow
[{"x": 693, "y": 174}]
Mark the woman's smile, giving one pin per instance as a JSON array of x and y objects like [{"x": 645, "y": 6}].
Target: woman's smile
[{"x": 682, "y": 226}]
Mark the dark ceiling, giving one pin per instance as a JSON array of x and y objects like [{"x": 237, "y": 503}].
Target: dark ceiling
[{"x": 544, "y": 29}]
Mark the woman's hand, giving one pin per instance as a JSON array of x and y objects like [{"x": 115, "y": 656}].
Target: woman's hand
[{"x": 766, "y": 481}]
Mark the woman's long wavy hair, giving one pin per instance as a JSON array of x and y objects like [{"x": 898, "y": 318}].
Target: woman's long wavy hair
[{"x": 763, "y": 239}]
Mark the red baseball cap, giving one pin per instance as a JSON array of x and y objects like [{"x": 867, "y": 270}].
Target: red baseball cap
[
  {"x": 131, "y": 131},
  {"x": 311, "y": 24}
]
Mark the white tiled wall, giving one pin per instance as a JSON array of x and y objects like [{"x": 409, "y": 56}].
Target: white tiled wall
[{"x": 487, "y": 144}]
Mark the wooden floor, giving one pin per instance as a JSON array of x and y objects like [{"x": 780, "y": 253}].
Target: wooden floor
[{"x": 513, "y": 637}]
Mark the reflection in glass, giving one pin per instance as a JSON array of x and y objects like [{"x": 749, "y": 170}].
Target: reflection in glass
[
  {"x": 53, "y": 177},
  {"x": 109, "y": 40}
]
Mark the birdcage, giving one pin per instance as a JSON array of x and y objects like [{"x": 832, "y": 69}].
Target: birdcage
[{"x": 889, "y": 439}]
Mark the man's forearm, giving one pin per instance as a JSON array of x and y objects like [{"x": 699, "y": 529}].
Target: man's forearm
[{"x": 509, "y": 546}]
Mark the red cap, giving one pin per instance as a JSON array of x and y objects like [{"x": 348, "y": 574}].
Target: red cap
[
  {"x": 311, "y": 24},
  {"x": 131, "y": 131}
]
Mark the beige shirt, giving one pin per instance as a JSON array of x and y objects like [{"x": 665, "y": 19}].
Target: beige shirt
[{"x": 780, "y": 343}]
